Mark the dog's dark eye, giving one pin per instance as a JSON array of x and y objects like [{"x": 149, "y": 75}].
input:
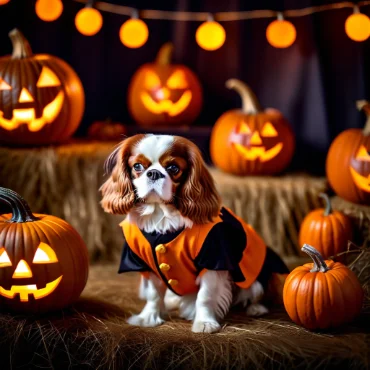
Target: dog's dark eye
[
  {"x": 138, "y": 167},
  {"x": 173, "y": 169}
]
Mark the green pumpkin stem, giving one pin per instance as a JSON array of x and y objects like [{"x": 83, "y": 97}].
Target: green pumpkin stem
[
  {"x": 19, "y": 208},
  {"x": 164, "y": 54},
  {"x": 328, "y": 208},
  {"x": 21, "y": 47},
  {"x": 365, "y": 106},
  {"x": 319, "y": 264},
  {"x": 250, "y": 103}
]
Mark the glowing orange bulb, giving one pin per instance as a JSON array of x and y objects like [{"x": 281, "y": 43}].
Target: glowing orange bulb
[
  {"x": 3, "y": 2},
  {"x": 281, "y": 33},
  {"x": 49, "y": 10},
  {"x": 357, "y": 27},
  {"x": 210, "y": 35},
  {"x": 88, "y": 21},
  {"x": 134, "y": 33}
]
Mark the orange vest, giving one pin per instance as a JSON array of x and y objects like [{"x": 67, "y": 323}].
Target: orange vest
[{"x": 173, "y": 262}]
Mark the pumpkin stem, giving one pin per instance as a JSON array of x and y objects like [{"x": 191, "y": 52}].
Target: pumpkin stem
[
  {"x": 250, "y": 103},
  {"x": 328, "y": 208},
  {"x": 164, "y": 54},
  {"x": 19, "y": 208},
  {"x": 365, "y": 106},
  {"x": 319, "y": 264},
  {"x": 21, "y": 47}
]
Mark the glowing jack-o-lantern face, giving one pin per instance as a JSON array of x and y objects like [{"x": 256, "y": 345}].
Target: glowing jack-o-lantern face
[
  {"x": 44, "y": 254},
  {"x": 157, "y": 98},
  {"x": 253, "y": 144},
  {"x": 162, "y": 93},
  {"x": 251, "y": 141},
  {"x": 43, "y": 260},
  {"x": 26, "y": 113},
  {"x": 348, "y": 162},
  {"x": 41, "y": 97},
  {"x": 362, "y": 160}
]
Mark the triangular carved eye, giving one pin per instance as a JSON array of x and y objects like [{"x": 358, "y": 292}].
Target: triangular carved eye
[
  {"x": 177, "y": 80},
  {"x": 47, "y": 78},
  {"x": 269, "y": 130},
  {"x": 244, "y": 129},
  {"x": 152, "y": 81},
  {"x": 44, "y": 254},
  {"x": 362, "y": 154},
  {"x": 4, "y": 258},
  {"x": 4, "y": 85}
]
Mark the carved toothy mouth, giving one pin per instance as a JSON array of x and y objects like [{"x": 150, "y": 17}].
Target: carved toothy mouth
[
  {"x": 260, "y": 152},
  {"x": 166, "y": 106},
  {"x": 25, "y": 290},
  {"x": 361, "y": 182},
  {"x": 27, "y": 116}
]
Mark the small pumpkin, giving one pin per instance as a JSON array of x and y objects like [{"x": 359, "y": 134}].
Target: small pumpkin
[
  {"x": 41, "y": 98},
  {"x": 164, "y": 93},
  {"x": 106, "y": 130},
  {"x": 348, "y": 162},
  {"x": 322, "y": 294},
  {"x": 251, "y": 141},
  {"x": 43, "y": 260},
  {"x": 329, "y": 231}
]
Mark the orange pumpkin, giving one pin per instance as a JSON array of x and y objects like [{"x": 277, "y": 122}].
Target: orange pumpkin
[
  {"x": 106, "y": 130},
  {"x": 329, "y": 231},
  {"x": 41, "y": 97},
  {"x": 251, "y": 141},
  {"x": 43, "y": 260},
  {"x": 322, "y": 294},
  {"x": 348, "y": 162},
  {"x": 164, "y": 93}
]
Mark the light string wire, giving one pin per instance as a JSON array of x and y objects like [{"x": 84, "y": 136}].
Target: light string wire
[{"x": 219, "y": 16}]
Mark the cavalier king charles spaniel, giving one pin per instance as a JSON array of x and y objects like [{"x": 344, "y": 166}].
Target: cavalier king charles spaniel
[{"x": 193, "y": 254}]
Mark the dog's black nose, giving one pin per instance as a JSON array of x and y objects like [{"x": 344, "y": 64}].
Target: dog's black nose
[{"x": 154, "y": 175}]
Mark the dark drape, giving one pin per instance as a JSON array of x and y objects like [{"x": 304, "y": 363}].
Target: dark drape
[{"x": 315, "y": 82}]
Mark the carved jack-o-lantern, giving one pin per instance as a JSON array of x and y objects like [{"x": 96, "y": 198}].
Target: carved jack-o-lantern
[
  {"x": 162, "y": 93},
  {"x": 251, "y": 141},
  {"x": 41, "y": 97},
  {"x": 43, "y": 260},
  {"x": 348, "y": 162}
]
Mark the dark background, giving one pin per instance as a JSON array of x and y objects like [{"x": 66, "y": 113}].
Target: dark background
[{"x": 315, "y": 82}]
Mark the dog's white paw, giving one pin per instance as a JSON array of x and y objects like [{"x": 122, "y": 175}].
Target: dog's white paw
[
  {"x": 147, "y": 320},
  {"x": 206, "y": 326},
  {"x": 257, "y": 309}
]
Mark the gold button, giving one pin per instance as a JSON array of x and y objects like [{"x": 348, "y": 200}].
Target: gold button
[
  {"x": 164, "y": 267},
  {"x": 173, "y": 282},
  {"x": 160, "y": 248}
]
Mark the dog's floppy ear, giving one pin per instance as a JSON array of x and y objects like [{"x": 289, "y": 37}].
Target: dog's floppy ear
[
  {"x": 198, "y": 199},
  {"x": 118, "y": 191}
]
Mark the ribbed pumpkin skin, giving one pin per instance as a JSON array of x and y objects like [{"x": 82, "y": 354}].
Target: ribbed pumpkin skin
[
  {"x": 22, "y": 71},
  {"x": 226, "y": 157},
  {"x": 329, "y": 234},
  {"x": 137, "y": 85},
  {"x": 321, "y": 300},
  {"x": 21, "y": 241},
  {"x": 342, "y": 155}
]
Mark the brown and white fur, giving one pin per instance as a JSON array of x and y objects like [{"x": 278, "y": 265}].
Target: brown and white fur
[{"x": 182, "y": 194}]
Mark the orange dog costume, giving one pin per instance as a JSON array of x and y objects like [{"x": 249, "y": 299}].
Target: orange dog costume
[{"x": 227, "y": 243}]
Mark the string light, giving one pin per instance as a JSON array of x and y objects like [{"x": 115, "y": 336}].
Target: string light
[
  {"x": 210, "y": 35},
  {"x": 3, "y": 2},
  {"x": 88, "y": 20},
  {"x": 134, "y": 32},
  {"x": 357, "y": 25},
  {"x": 49, "y": 10},
  {"x": 281, "y": 33}
]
